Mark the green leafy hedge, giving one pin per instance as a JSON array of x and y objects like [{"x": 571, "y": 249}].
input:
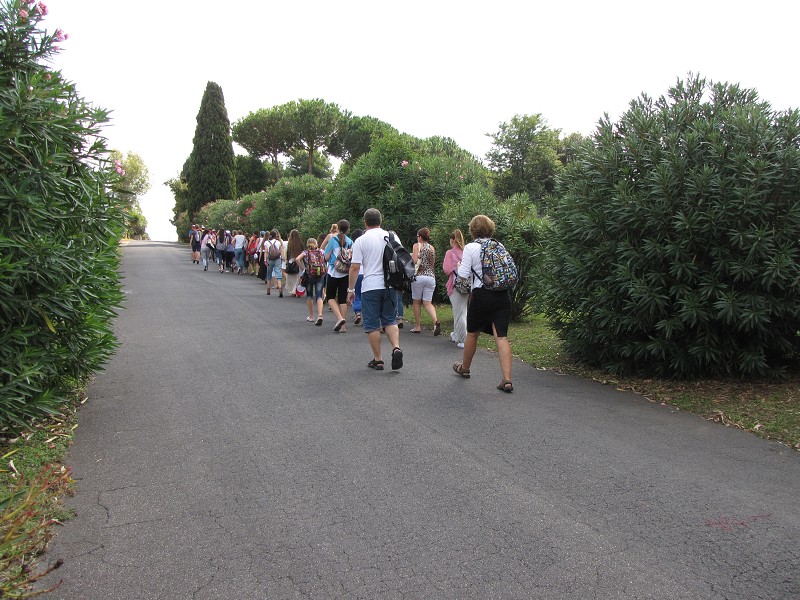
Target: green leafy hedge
[
  {"x": 59, "y": 227},
  {"x": 674, "y": 250}
]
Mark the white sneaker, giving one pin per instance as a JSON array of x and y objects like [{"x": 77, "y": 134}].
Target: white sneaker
[
  {"x": 460, "y": 345},
  {"x": 453, "y": 337}
]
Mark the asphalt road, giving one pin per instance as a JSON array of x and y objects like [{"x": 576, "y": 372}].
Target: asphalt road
[{"x": 232, "y": 450}]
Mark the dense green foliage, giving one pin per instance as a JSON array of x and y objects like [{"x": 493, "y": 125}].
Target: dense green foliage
[
  {"x": 298, "y": 165},
  {"x": 674, "y": 250},
  {"x": 59, "y": 228},
  {"x": 408, "y": 180},
  {"x": 524, "y": 158},
  {"x": 294, "y": 203},
  {"x": 251, "y": 175},
  {"x": 210, "y": 172}
]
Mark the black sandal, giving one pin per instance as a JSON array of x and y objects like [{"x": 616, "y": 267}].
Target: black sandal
[
  {"x": 397, "y": 359},
  {"x": 506, "y": 386},
  {"x": 375, "y": 364}
]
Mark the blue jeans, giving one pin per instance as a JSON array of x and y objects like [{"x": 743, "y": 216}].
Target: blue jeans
[
  {"x": 357, "y": 299},
  {"x": 239, "y": 254},
  {"x": 315, "y": 289}
]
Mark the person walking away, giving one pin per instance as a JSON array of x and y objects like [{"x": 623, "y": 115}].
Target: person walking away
[
  {"x": 274, "y": 264},
  {"x": 222, "y": 244},
  {"x": 489, "y": 311},
  {"x": 357, "y": 298},
  {"x": 294, "y": 246},
  {"x": 314, "y": 266},
  {"x": 229, "y": 251},
  {"x": 205, "y": 242},
  {"x": 458, "y": 299},
  {"x": 377, "y": 300},
  {"x": 239, "y": 247},
  {"x": 338, "y": 253},
  {"x": 250, "y": 253},
  {"x": 261, "y": 266},
  {"x": 334, "y": 231},
  {"x": 195, "y": 236},
  {"x": 424, "y": 256}
]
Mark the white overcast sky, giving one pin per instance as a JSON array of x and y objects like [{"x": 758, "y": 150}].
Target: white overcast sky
[{"x": 436, "y": 67}]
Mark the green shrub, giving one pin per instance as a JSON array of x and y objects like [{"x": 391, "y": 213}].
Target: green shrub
[
  {"x": 59, "y": 229},
  {"x": 409, "y": 181},
  {"x": 674, "y": 250}
]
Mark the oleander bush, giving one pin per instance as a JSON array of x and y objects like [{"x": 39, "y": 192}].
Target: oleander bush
[
  {"x": 674, "y": 248},
  {"x": 59, "y": 226}
]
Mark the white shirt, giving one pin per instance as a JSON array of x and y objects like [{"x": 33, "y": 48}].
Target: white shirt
[
  {"x": 368, "y": 252},
  {"x": 471, "y": 261}
]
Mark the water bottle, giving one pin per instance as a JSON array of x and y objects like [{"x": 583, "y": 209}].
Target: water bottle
[{"x": 392, "y": 267}]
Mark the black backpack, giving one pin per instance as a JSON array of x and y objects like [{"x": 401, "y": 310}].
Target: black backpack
[{"x": 398, "y": 267}]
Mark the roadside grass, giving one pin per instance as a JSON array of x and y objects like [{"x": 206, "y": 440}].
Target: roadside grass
[
  {"x": 33, "y": 484},
  {"x": 767, "y": 408}
]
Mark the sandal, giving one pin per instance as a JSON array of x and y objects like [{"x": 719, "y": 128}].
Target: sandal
[
  {"x": 397, "y": 359},
  {"x": 319, "y": 322},
  {"x": 339, "y": 324},
  {"x": 375, "y": 364},
  {"x": 357, "y": 319},
  {"x": 437, "y": 329},
  {"x": 506, "y": 386},
  {"x": 416, "y": 331},
  {"x": 310, "y": 319},
  {"x": 459, "y": 368}
]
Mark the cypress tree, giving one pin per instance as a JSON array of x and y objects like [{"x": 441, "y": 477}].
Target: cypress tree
[{"x": 211, "y": 173}]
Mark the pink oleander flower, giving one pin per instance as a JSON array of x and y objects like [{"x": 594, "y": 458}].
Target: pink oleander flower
[
  {"x": 118, "y": 168},
  {"x": 61, "y": 36},
  {"x": 41, "y": 9},
  {"x": 404, "y": 163},
  {"x": 23, "y": 13}
]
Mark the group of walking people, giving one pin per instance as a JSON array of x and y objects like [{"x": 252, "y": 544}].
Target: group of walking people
[{"x": 345, "y": 270}]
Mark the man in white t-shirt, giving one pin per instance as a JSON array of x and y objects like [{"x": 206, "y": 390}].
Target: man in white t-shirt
[{"x": 377, "y": 302}]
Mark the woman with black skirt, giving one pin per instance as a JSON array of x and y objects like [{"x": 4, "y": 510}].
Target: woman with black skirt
[{"x": 489, "y": 311}]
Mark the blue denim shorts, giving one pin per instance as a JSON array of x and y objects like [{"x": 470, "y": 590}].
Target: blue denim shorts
[
  {"x": 378, "y": 309},
  {"x": 274, "y": 269}
]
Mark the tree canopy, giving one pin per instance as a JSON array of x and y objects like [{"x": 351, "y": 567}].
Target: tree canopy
[{"x": 525, "y": 157}]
